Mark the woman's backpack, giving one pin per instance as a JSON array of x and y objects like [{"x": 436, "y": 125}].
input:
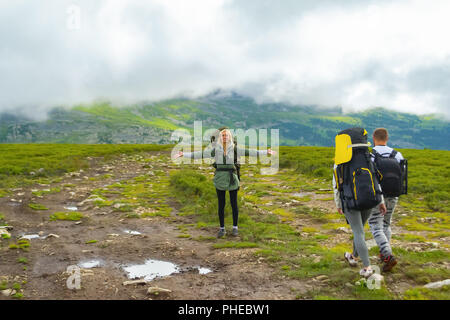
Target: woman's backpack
[
  {"x": 392, "y": 174},
  {"x": 355, "y": 174}
]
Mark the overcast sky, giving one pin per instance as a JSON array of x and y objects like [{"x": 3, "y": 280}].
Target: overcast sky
[{"x": 354, "y": 54}]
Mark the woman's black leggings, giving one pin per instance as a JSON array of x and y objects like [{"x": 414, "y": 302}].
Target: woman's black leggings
[{"x": 234, "y": 206}]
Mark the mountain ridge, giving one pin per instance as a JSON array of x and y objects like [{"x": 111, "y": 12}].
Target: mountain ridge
[{"x": 101, "y": 122}]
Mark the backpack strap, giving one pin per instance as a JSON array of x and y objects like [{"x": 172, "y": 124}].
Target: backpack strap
[
  {"x": 393, "y": 154},
  {"x": 375, "y": 154}
]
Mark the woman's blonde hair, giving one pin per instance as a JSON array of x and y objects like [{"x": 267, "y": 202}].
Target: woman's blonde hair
[{"x": 230, "y": 138}]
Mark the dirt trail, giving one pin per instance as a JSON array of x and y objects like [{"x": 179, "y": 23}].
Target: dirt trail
[{"x": 235, "y": 273}]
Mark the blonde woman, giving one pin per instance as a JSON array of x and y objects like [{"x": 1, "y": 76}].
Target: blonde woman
[{"x": 224, "y": 151}]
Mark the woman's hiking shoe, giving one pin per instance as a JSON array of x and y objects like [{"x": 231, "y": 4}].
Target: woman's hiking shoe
[
  {"x": 235, "y": 232},
  {"x": 350, "y": 259},
  {"x": 366, "y": 272},
  {"x": 388, "y": 263},
  {"x": 221, "y": 233}
]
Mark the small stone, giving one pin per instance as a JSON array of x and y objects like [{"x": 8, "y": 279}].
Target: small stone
[
  {"x": 52, "y": 235},
  {"x": 344, "y": 229},
  {"x": 6, "y": 292},
  {"x": 349, "y": 285},
  {"x": 321, "y": 277},
  {"x": 157, "y": 290},
  {"x": 141, "y": 281},
  {"x": 78, "y": 222},
  {"x": 434, "y": 244},
  {"x": 437, "y": 285}
]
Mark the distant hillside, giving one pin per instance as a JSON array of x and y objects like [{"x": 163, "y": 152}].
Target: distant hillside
[{"x": 154, "y": 122}]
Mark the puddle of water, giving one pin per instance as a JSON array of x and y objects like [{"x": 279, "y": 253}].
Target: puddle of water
[
  {"x": 90, "y": 264},
  {"x": 14, "y": 204},
  {"x": 30, "y": 236},
  {"x": 151, "y": 269},
  {"x": 71, "y": 208},
  {"x": 203, "y": 270},
  {"x": 132, "y": 232}
]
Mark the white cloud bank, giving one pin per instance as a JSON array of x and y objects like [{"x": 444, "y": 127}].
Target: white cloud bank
[{"x": 354, "y": 54}]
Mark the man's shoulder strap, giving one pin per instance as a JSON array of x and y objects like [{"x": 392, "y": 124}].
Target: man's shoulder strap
[{"x": 393, "y": 154}]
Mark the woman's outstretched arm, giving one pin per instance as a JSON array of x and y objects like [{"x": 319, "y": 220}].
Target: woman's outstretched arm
[
  {"x": 207, "y": 153},
  {"x": 254, "y": 152}
]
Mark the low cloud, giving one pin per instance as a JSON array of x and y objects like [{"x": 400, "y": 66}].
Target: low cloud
[{"x": 354, "y": 54}]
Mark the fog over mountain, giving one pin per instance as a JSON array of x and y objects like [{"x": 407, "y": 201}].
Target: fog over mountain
[{"x": 352, "y": 54}]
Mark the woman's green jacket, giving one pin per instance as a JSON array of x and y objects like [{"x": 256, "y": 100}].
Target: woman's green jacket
[{"x": 225, "y": 177}]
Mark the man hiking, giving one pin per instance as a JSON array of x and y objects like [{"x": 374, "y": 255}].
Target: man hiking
[{"x": 387, "y": 161}]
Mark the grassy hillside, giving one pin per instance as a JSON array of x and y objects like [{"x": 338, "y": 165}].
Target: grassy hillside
[{"x": 153, "y": 123}]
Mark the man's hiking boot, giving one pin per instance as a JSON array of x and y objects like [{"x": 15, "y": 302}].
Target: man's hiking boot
[
  {"x": 381, "y": 258},
  {"x": 221, "y": 233},
  {"x": 350, "y": 259},
  {"x": 235, "y": 232},
  {"x": 388, "y": 263}
]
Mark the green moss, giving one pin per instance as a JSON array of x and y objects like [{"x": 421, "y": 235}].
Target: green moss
[
  {"x": 23, "y": 244},
  {"x": 309, "y": 230},
  {"x": 3, "y": 285},
  {"x": 16, "y": 286},
  {"x": 17, "y": 295},
  {"x": 37, "y": 206},
  {"x": 71, "y": 216},
  {"x": 132, "y": 216},
  {"x": 427, "y": 294},
  {"x": 201, "y": 225},
  {"x": 43, "y": 192},
  {"x": 22, "y": 260}
]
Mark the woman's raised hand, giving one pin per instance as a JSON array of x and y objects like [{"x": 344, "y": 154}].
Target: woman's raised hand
[
  {"x": 270, "y": 151},
  {"x": 180, "y": 154}
]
